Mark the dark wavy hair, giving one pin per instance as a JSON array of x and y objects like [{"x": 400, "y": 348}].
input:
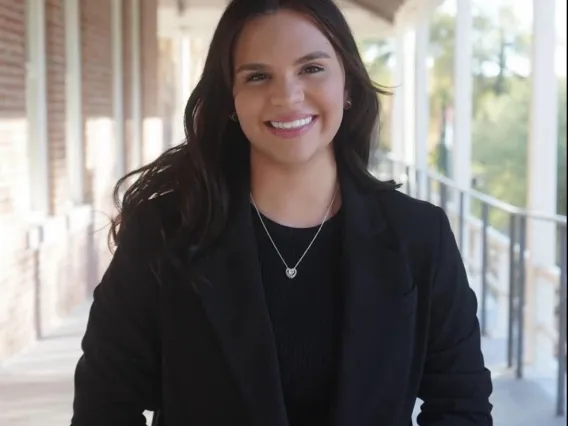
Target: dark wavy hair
[{"x": 215, "y": 150}]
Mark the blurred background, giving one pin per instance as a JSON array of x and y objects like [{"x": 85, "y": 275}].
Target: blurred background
[{"x": 90, "y": 89}]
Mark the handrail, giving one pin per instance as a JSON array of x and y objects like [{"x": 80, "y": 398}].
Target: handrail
[
  {"x": 518, "y": 222},
  {"x": 491, "y": 201}
]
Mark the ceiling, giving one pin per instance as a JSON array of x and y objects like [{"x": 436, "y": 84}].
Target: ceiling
[
  {"x": 384, "y": 9},
  {"x": 367, "y": 18}
]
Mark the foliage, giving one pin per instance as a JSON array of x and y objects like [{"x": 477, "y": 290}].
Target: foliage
[
  {"x": 501, "y": 103},
  {"x": 378, "y": 56}
]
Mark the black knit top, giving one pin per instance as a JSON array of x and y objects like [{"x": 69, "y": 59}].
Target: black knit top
[{"x": 306, "y": 314}]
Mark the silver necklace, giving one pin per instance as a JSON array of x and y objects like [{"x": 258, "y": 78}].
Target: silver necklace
[{"x": 292, "y": 272}]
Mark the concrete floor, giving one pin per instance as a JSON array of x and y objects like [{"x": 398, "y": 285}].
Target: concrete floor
[{"x": 36, "y": 387}]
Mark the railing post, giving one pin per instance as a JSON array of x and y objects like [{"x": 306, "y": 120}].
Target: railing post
[
  {"x": 443, "y": 196},
  {"x": 522, "y": 291},
  {"x": 512, "y": 287},
  {"x": 428, "y": 189},
  {"x": 484, "y": 262},
  {"x": 561, "y": 351},
  {"x": 461, "y": 220},
  {"x": 408, "y": 184}
]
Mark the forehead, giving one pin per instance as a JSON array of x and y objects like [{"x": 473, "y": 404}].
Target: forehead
[{"x": 280, "y": 37}]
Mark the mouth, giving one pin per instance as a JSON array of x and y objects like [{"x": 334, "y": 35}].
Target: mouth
[{"x": 293, "y": 124}]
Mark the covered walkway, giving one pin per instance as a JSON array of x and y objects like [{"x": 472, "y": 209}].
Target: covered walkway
[{"x": 99, "y": 96}]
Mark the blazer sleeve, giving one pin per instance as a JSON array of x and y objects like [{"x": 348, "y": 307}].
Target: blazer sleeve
[
  {"x": 455, "y": 386},
  {"x": 117, "y": 377}
]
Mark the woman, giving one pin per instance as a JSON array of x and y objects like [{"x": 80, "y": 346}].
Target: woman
[{"x": 262, "y": 275}]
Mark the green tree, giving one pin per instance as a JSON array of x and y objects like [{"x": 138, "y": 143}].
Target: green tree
[
  {"x": 501, "y": 99},
  {"x": 499, "y": 148},
  {"x": 378, "y": 56}
]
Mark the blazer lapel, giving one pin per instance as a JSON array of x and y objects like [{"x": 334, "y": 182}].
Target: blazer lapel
[
  {"x": 377, "y": 335},
  {"x": 234, "y": 301}
]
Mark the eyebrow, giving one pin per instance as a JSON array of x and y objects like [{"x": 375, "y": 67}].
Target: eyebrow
[{"x": 306, "y": 58}]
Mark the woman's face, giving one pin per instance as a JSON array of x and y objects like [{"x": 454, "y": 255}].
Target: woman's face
[{"x": 289, "y": 88}]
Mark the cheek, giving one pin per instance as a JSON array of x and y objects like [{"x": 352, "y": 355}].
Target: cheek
[
  {"x": 249, "y": 110},
  {"x": 328, "y": 93},
  {"x": 242, "y": 104},
  {"x": 330, "y": 100},
  {"x": 248, "y": 107}
]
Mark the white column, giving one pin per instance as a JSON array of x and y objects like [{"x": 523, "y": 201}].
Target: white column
[
  {"x": 463, "y": 82},
  {"x": 186, "y": 71},
  {"x": 543, "y": 139},
  {"x": 136, "y": 82},
  {"x": 463, "y": 95},
  {"x": 182, "y": 60},
  {"x": 117, "y": 87},
  {"x": 409, "y": 95},
  {"x": 200, "y": 55},
  {"x": 36, "y": 93},
  {"x": 75, "y": 150},
  {"x": 422, "y": 100},
  {"x": 397, "y": 125},
  {"x": 542, "y": 172}
]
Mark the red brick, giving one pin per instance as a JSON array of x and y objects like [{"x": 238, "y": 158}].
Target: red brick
[
  {"x": 55, "y": 47},
  {"x": 40, "y": 283}
]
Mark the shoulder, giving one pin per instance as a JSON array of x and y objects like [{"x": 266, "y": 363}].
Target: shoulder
[
  {"x": 409, "y": 213},
  {"x": 417, "y": 225},
  {"x": 162, "y": 208},
  {"x": 148, "y": 223},
  {"x": 422, "y": 233}
]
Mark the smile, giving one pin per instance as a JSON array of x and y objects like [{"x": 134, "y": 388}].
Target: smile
[
  {"x": 293, "y": 128},
  {"x": 291, "y": 125}
]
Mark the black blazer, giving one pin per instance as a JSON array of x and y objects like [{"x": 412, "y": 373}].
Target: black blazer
[{"x": 204, "y": 355}]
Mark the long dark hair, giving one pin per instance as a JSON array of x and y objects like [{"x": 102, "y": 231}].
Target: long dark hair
[{"x": 198, "y": 170}]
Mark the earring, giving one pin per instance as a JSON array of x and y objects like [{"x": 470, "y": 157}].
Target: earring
[
  {"x": 233, "y": 116},
  {"x": 348, "y": 104}
]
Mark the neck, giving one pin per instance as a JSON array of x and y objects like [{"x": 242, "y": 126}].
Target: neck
[{"x": 295, "y": 196}]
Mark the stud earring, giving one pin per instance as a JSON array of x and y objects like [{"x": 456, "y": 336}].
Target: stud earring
[
  {"x": 233, "y": 116},
  {"x": 348, "y": 104}
]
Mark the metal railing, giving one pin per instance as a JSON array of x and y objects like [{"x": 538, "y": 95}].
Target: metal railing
[{"x": 493, "y": 239}]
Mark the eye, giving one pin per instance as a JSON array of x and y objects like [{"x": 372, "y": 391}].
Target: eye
[
  {"x": 256, "y": 77},
  {"x": 312, "y": 69}
]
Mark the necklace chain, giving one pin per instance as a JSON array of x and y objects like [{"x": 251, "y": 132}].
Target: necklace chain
[{"x": 292, "y": 272}]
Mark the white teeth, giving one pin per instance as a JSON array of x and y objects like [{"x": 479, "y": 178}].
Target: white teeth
[{"x": 292, "y": 124}]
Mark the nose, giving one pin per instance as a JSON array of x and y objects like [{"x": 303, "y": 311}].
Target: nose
[{"x": 286, "y": 92}]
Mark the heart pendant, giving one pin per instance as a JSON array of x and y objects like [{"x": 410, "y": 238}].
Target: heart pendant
[{"x": 291, "y": 272}]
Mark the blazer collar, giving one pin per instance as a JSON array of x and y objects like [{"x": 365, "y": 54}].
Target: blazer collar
[{"x": 377, "y": 284}]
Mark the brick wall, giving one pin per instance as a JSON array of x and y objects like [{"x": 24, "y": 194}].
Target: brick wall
[
  {"x": 55, "y": 63},
  {"x": 97, "y": 95},
  {"x": 153, "y": 122},
  {"x": 149, "y": 54},
  {"x": 96, "y": 67},
  {"x": 127, "y": 81},
  {"x": 49, "y": 265},
  {"x": 12, "y": 100},
  {"x": 16, "y": 278}
]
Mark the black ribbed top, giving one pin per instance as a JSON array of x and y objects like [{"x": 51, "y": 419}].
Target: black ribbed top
[{"x": 306, "y": 314}]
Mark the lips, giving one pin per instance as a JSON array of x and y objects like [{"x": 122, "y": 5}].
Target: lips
[{"x": 291, "y": 126}]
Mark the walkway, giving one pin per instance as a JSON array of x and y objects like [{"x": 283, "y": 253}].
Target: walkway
[{"x": 36, "y": 388}]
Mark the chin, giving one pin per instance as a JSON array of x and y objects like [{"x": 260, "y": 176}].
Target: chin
[
  {"x": 291, "y": 152},
  {"x": 299, "y": 157}
]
